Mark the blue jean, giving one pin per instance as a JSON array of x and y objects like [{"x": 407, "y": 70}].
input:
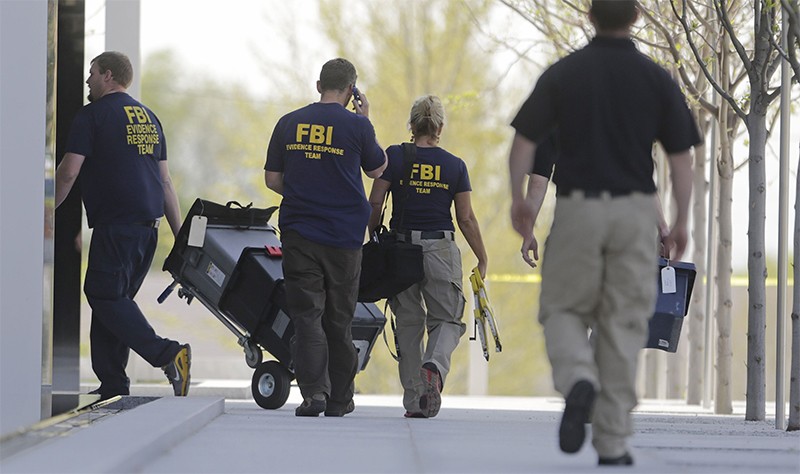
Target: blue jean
[{"x": 119, "y": 258}]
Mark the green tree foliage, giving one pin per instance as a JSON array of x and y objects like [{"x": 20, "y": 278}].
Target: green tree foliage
[{"x": 216, "y": 135}]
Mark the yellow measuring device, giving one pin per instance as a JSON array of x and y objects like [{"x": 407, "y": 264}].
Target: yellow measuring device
[{"x": 483, "y": 314}]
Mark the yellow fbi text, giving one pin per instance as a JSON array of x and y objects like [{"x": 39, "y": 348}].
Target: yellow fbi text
[
  {"x": 315, "y": 133},
  {"x": 140, "y": 131},
  {"x": 427, "y": 177},
  {"x": 314, "y": 140}
]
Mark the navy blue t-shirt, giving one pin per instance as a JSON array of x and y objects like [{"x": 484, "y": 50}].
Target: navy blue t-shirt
[
  {"x": 436, "y": 177},
  {"x": 321, "y": 149},
  {"x": 607, "y": 104},
  {"x": 122, "y": 142}
]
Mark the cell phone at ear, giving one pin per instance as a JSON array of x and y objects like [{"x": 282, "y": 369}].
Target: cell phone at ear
[{"x": 356, "y": 95}]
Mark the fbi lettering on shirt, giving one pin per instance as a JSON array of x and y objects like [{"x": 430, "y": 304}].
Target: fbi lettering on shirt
[
  {"x": 140, "y": 131},
  {"x": 426, "y": 177},
  {"x": 314, "y": 141}
]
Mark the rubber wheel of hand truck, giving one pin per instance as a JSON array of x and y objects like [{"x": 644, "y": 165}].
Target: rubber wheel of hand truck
[
  {"x": 271, "y": 383},
  {"x": 252, "y": 354}
]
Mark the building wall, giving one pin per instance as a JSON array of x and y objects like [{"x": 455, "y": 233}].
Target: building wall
[{"x": 23, "y": 88}]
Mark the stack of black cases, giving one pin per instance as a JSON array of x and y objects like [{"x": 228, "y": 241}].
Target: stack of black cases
[{"x": 237, "y": 274}]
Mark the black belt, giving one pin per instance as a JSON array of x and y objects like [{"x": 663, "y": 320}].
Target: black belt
[
  {"x": 591, "y": 193},
  {"x": 153, "y": 224},
  {"x": 429, "y": 234}
]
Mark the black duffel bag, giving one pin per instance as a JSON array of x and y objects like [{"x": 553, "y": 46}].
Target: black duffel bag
[
  {"x": 231, "y": 213},
  {"x": 388, "y": 266}
]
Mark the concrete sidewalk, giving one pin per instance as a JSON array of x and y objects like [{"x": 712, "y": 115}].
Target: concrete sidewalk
[{"x": 206, "y": 434}]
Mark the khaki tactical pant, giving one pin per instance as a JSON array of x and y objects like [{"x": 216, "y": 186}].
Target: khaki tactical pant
[
  {"x": 435, "y": 305},
  {"x": 599, "y": 272}
]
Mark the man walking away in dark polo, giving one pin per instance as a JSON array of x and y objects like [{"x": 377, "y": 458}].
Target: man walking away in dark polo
[{"x": 607, "y": 104}]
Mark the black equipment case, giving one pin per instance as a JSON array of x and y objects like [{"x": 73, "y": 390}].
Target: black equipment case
[
  {"x": 667, "y": 320},
  {"x": 237, "y": 274}
]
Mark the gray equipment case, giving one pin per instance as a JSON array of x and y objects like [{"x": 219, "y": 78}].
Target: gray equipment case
[{"x": 237, "y": 274}]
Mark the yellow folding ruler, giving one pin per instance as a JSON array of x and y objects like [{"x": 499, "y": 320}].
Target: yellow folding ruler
[{"x": 483, "y": 313}]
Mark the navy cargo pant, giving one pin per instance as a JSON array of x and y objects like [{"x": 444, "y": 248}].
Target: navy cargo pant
[
  {"x": 119, "y": 258},
  {"x": 321, "y": 292}
]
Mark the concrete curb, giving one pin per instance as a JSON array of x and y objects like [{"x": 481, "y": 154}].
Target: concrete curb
[
  {"x": 123, "y": 443},
  {"x": 235, "y": 389}
]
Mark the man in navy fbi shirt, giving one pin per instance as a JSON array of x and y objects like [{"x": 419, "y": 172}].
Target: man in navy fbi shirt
[
  {"x": 607, "y": 104},
  {"x": 117, "y": 146},
  {"x": 314, "y": 160}
]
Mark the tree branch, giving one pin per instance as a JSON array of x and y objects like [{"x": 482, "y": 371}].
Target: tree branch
[
  {"x": 776, "y": 60},
  {"x": 772, "y": 95},
  {"x": 723, "y": 93},
  {"x": 651, "y": 44},
  {"x": 707, "y": 25},
  {"x": 544, "y": 23},
  {"x": 764, "y": 53},
  {"x": 722, "y": 13},
  {"x": 792, "y": 11},
  {"x": 676, "y": 56},
  {"x": 739, "y": 79}
]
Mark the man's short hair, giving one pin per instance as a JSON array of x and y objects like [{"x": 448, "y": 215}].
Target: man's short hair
[
  {"x": 118, "y": 64},
  {"x": 337, "y": 74},
  {"x": 613, "y": 14}
]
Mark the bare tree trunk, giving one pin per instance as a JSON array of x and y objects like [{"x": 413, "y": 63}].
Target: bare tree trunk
[
  {"x": 763, "y": 65},
  {"x": 655, "y": 361},
  {"x": 674, "y": 384},
  {"x": 794, "y": 371},
  {"x": 722, "y": 401},
  {"x": 676, "y": 373},
  {"x": 756, "y": 269},
  {"x": 697, "y": 308},
  {"x": 654, "y": 374}
]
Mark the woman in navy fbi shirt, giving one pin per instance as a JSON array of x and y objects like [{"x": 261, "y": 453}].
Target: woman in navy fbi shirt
[{"x": 421, "y": 215}]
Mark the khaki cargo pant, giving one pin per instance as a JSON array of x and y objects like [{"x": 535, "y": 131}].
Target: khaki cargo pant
[
  {"x": 435, "y": 305},
  {"x": 599, "y": 271}
]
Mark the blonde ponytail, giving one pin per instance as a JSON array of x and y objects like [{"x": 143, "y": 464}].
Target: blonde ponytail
[{"x": 427, "y": 117}]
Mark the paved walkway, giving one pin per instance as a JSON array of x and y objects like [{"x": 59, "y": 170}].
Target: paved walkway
[{"x": 210, "y": 434}]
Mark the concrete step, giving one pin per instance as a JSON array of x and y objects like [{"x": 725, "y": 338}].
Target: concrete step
[{"x": 121, "y": 443}]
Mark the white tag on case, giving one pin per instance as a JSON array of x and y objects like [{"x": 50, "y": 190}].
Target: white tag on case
[
  {"x": 197, "y": 231},
  {"x": 668, "y": 280}
]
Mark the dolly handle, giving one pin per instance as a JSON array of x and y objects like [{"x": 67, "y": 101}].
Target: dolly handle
[{"x": 167, "y": 291}]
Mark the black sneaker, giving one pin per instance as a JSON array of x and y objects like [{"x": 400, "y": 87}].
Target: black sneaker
[
  {"x": 177, "y": 371},
  {"x": 431, "y": 400},
  {"x": 106, "y": 395},
  {"x": 624, "y": 460},
  {"x": 335, "y": 409},
  {"x": 579, "y": 402},
  {"x": 312, "y": 406}
]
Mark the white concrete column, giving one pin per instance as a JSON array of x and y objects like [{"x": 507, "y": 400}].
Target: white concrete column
[
  {"x": 123, "y": 34},
  {"x": 23, "y": 88}
]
